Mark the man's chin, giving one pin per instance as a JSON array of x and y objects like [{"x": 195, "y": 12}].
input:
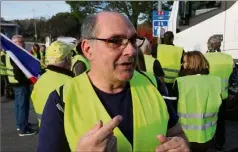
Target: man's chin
[{"x": 127, "y": 75}]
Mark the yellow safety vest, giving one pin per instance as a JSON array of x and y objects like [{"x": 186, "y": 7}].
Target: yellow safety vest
[
  {"x": 149, "y": 63},
  {"x": 83, "y": 109},
  {"x": 198, "y": 106},
  {"x": 80, "y": 58},
  {"x": 10, "y": 73},
  {"x": 47, "y": 83},
  {"x": 221, "y": 65},
  {"x": 170, "y": 60},
  {"x": 3, "y": 69}
]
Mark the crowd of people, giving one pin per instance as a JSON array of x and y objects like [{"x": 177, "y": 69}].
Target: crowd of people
[{"x": 114, "y": 91}]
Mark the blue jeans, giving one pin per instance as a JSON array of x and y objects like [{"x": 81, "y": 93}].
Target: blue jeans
[{"x": 22, "y": 106}]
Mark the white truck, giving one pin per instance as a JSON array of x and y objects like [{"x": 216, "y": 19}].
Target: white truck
[{"x": 193, "y": 22}]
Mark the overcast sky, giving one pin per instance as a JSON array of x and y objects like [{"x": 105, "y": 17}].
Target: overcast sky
[{"x": 25, "y": 9}]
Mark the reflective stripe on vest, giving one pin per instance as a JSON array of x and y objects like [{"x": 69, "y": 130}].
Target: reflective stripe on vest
[
  {"x": 196, "y": 107},
  {"x": 40, "y": 92},
  {"x": 147, "y": 121},
  {"x": 197, "y": 115},
  {"x": 221, "y": 65},
  {"x": 170, "y": 59},
  {"x": 198, "y": 127},
  {"x": 38, "y": 116},
  {"x": 149, "y": 63}
]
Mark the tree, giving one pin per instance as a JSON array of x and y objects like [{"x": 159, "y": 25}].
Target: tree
[
  {"x": 64, "y": 24},
  {"x": 134, "y": 10}
]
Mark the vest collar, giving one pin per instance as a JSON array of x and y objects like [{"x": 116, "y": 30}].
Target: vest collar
[{"x": 60, "y": 70}]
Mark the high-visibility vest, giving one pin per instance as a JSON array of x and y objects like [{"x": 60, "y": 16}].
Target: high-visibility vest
[
  {"x": 3, "y": 69},
  {"x": 221, "y": 65},
  {"x": 80, "y": 58},
  {"x": 47, "y": 83},
  {"x": 149, "y": 63},
  {"x": 10, "y": 73},
  {"x": 198, "y": 106},
  {"x": 169, "y": 57},
  {"x": 83, "y": 109}
]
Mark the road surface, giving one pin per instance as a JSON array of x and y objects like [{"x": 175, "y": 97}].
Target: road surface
[{"x": 11, "y": 142}]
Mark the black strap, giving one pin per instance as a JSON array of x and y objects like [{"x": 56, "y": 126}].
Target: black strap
[
  {"x": 61, "y": 93},
  {"x": 146, "y": 77}
]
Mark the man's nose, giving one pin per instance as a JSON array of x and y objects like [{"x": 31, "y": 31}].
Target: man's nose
[{"x": 129, "y": 50}]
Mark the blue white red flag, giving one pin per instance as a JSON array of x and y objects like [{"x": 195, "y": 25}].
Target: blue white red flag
[{"x": 29, "y": 65}]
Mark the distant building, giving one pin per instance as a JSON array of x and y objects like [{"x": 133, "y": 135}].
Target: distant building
[{"x": 9, "y": 28}]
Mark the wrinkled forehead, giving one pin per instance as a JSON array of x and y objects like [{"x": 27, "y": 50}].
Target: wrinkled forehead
[{"x": 114, "y": 24}]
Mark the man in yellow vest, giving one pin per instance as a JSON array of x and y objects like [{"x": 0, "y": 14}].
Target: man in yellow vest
[
  {"x": 21, "y": 87},
  {"x": 112, "y": 91},
  {"x": 170, "y": 58},
  {"x": 221, "y": 65},
  {"x": 79, "y": 62},
  {"x": 150, "y": 64},
  {"x": 58, "y": 72}
]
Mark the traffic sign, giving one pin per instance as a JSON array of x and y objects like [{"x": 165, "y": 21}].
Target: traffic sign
[{"x": 160, "y": 22}]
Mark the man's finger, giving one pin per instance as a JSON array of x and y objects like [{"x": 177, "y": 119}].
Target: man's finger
[
  {"x": 107, "y": 129},
  {"x": 169, "y": 145},
  {"x": 162, "y": 139},
  {"x": 95, "y": 128}
]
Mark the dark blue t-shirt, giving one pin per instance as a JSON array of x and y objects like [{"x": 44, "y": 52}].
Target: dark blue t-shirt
[{"x": 52, "y": 135}]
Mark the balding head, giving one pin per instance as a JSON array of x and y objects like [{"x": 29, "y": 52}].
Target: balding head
[
  {"x": 18, "y": 40},
  {"x": 109, "y": 43},
  {"x": 92, "y": 24}
]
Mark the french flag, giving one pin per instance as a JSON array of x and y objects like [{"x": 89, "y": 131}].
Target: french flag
[{"x": 29, "y": 65}]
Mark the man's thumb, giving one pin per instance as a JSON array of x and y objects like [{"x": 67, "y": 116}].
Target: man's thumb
[{"x": 162, "y": 139}]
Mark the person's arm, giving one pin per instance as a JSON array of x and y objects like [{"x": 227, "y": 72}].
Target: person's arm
[
  {"x": 158, "y": 71},
  {"x": 78, "y": 68},
  {"x": 233, "y": 82},
  {"x": 52, "y": 136}
]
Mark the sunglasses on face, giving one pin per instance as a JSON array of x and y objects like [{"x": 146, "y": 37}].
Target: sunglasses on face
[{"x": 121, "y": 42}]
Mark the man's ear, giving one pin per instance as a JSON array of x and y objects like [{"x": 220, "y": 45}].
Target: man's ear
[{"x": 86, "y": 49}]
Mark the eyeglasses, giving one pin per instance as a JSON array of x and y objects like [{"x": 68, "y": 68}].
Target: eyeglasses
[{"x": 119, "y": 42}]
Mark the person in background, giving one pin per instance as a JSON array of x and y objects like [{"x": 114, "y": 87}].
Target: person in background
[
  {"x": 170, "y": 58},
  {"x": 35, "y": 51},
  {"x": 58, "y": 55},
  {"x": 196, "y": 92},
  {"x": 79, "y": 62},
  {"x": 21, "y": 87},
  {"x": 42, "y": 53},
  {"x": 112, "y": 91},
  {"x": 147, "y": 62},
  {"x": 221, "y": 65}
]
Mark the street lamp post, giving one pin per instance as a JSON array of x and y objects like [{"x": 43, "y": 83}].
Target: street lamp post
[{"x": 35, "y": 25}]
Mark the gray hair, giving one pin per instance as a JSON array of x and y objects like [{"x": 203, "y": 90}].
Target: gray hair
[
  {"x": 14, "y": 37},
  {"x": 214, "y": 39},
  {"x": 88, "y": 27}
]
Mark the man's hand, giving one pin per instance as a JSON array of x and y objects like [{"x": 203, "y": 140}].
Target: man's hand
[
  {"x": 171, "y": 144},
  {"x": 100, "y": 138}
]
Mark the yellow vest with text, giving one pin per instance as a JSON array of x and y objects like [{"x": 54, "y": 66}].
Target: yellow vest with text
[
  {"x": 149, "y": 63},
  {"x": 221, "y": 65},
  {"x": 47, "y": 83},
  {"x": 10, "y": 73},
  {"x": 169, "y": 57},
  {"x": 80, "y": 58},
  {"x": 83, "y": 109},
  {"x": 198, "y": 106}
]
